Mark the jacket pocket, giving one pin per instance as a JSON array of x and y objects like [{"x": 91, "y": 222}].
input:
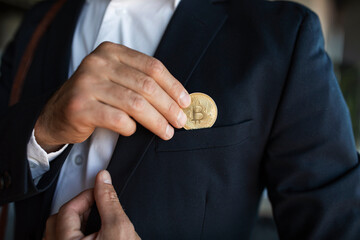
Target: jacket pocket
[{"x": 206, "y": 138}]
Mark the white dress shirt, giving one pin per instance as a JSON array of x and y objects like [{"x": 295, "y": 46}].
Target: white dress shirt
[{"x": 137, "y": 24}]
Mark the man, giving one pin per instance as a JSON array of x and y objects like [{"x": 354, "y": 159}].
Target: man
[{"x": 282, "y": 122}]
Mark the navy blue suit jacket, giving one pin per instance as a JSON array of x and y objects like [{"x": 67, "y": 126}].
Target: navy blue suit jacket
[{"x": 282, "y": 124}]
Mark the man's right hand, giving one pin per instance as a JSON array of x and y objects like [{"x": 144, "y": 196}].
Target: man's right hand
[{"x": 112, "y": 88}]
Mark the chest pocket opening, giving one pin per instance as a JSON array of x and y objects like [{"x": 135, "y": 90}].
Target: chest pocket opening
[{"x": 206, "y": 138}]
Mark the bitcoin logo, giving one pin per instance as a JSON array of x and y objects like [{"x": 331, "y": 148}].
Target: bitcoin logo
[{"x": 201, "y": 113}]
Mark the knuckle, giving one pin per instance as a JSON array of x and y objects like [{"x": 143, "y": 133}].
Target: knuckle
[
  {"x": 138, "y": 103},
  {"x": 124, "y": 125},
  {"x": 106, "y": 45},
  {"x": 75, "y": 105},
  {"x": 72, "y": 114},
  {"x": 122, "y": 47},
  {"x": 82, "y": 82},
  {"x": 161, "y": 123},
  {"x": 94, "y": 60},
  {"x": 176, "y": 88},
  {"x": 148, "y": 85},
  {"x": 173, "y": 108},
  {"x": 155, "y": 67},
  {"x": 129, "y": 130},
  {"x": 118, "y": 120},
  {"x": 111, "y": 195}
]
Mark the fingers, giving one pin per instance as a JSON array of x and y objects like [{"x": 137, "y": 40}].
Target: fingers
[
  {"x": 111, "y": 118},
  {"x": 80, "y": 204},
  {"x": 113, "y": 218},
  {"x": 139, "y": 108},
  {"x": 50, "y": 230},
  {"x": 107, "y": 200},
  {"x": 112, "y": 87},
  {"x": 67, "y": 223},
  {"x": 147, "y": 87},
  {"x": 72, "y": 215},
  {"x": 115, "y": 224},
  {"x": 148, "y": 65},
  {"x": 155, "y": 69}
]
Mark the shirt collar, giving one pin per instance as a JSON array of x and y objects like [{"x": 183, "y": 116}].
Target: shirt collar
[{"x": 176, "y": 3}]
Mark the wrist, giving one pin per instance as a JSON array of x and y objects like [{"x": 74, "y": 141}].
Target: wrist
[{"x": 44, "y": 139}]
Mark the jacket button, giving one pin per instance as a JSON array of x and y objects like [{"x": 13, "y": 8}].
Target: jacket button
[{"x": 7, "y": 179}]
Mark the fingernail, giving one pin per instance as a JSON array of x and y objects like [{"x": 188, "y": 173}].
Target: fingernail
[
  {"x": 169, "y": 132},
  {"x": 181, "y": 119},
  {"x": 185, "y": 99},
  {"x": 105, "y": 177}
]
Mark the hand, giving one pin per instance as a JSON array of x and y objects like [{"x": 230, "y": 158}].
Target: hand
[
  {"x": 112, "y": 88},
  {"x": 115, "y": 225}
]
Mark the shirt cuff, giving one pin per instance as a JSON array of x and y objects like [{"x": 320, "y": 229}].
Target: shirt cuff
[{"x": 39, "y": 160}]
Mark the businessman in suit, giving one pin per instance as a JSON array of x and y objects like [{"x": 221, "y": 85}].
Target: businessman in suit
[{"x": 282, "y": 122}]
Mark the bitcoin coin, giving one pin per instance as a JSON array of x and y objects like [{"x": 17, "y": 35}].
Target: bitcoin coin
[{"x": 201, "y": 113}]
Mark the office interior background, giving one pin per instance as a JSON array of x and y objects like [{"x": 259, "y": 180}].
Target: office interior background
[{"x": 340, "y": 21}]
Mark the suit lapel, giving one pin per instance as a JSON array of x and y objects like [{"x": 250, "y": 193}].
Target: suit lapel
[
  {"x": 190, "y": 32},
  {"x": 57, "y": 55},
  {"x": 180, "y": 53},
  {"x": 59, "y": 42},
  {"x": 54, "y": 51}
]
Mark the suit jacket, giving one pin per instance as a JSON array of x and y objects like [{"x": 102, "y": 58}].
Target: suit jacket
[{"x": 282, "y": 124}]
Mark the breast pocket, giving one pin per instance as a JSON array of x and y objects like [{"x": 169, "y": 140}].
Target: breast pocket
[{"x": 216, "y": 137}]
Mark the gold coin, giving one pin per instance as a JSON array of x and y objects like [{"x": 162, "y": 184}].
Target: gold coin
[{"x": 201, "y": 113}]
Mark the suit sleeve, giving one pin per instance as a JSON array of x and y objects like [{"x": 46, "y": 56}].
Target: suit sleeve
[
  {"x": 17, "y": 122},
  {"x": 311, "y": 165}
]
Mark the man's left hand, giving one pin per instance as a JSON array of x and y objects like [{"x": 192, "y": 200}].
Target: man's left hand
[{"x": 72, "y": 217}]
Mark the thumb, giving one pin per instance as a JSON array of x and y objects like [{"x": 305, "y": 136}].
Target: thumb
[{"x": 107, "y": 202}]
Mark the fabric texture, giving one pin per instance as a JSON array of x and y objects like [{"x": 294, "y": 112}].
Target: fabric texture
[
  {"x": 119, "y": 21},
  {"x": 282, "y": 124}
]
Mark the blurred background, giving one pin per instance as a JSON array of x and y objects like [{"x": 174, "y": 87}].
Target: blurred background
[{"x": 340, "y": 20}]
